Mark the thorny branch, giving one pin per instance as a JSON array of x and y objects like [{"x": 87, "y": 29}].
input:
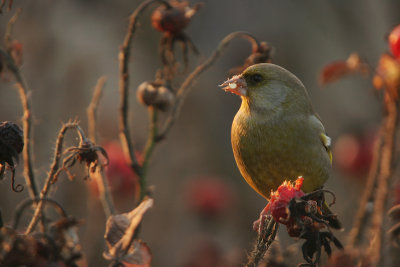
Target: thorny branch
[
  {"x": 124, "y": 57},
  {"x": 102, "y": 183},
  {"x": 24, "y": 93},
  {"x": 53, "y": 170},
  {"x": 265, "y": 238}
]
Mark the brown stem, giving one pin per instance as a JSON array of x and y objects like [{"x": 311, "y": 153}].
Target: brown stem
[
  {"x": 124, "y": 56},
  {"x": 151, "y": 142},
  {"x": 53, "y": 170},
  {"x": 186, "y": 85},
  {"x": 363, "y": 213},
  {"x": 27, "y": 122},
  {"x": 376, "y": 245},
  {"x": 102, "y": 183},
  {"x": 26, "y": 105},
  {"x": 92, "y": 109},
  {"x": 9, "y": 29}
]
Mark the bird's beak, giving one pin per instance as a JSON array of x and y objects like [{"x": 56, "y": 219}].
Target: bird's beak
[{"x": 236, "y": 85}]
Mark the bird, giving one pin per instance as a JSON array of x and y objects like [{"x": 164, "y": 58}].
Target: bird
[{"x": 276, "y": 134}]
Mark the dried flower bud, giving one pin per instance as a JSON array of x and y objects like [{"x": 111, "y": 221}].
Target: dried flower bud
[
  {"x": 155, "y": 94},
  {"x": 260, "y": 54},
  {"x": 11, "y": 144},
  {"x": 11, "y": 135},
  {"x": 86, "y": 152},
  {"x": 173, "y": 19}
]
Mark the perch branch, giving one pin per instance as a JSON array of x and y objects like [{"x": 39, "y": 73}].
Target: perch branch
[
  {"x": 53, "y": 170},
  {"x": 124, "y": 56},
  {"x": 101, "y": 180},
  {"x": 265, "y": 238}
]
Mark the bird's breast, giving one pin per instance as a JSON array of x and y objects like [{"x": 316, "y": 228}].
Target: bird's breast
[{"x": 268, "y": 152}]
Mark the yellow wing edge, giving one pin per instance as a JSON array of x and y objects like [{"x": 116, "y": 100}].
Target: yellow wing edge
[{"x": 326, "y": 141}]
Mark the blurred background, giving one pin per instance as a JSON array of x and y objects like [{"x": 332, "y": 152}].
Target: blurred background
[{"x": 203, "y": 209}]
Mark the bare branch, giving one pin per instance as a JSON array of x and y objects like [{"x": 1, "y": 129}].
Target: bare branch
[
  {"x": 27, "y": 122},
  {"x": 92, "y": 109},
  {"x": 362, "y": 216},
  {"x": 186, "y": 85},
  {"x": 377, "y": 232},
  {"x": 124, "y": 57}
]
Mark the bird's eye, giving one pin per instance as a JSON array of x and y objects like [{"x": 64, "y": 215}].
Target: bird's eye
[{"x": 256, "y": 78}]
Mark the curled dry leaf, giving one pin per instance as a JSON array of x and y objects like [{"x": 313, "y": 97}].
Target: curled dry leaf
[
  {"x": 339, "y": 69},
  {"x": 120, "y": 230},
  {"x": 388, "y": 75}
]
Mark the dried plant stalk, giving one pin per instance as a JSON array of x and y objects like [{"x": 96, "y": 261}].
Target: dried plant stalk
[
  {"x": 377, "y": 227},
  {"x": 124, "y": 57},
  {"x": 363, "y": 215},
  {"x": 53, "y": 170},
  {"x": 101, "y": 180}
]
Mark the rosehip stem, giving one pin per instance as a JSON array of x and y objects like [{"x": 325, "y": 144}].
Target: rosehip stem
[
  {"x": 186, "y": 85},
  {"x": 124, "y": 57},
  {"x": 148, "y": 151}
]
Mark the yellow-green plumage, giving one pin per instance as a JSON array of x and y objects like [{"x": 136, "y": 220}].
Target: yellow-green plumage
[{"x": 276, "y": 135}]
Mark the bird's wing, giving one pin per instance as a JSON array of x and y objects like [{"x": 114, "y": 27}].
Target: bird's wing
[{"x": 325, "y": 139}]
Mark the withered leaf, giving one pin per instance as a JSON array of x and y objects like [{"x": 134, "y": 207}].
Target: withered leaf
[
  {"x": 339, "y": 69},
  {"x": 119, "y": 234}
]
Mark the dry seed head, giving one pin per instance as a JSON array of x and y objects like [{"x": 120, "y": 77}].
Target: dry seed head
[{"x": 155, "y": 94}]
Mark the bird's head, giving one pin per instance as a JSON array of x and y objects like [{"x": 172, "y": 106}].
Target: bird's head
[{"x": 267, "y": 87}]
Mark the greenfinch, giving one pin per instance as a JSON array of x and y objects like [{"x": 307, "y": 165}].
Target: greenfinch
[{"x": 276, "y": 135}]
